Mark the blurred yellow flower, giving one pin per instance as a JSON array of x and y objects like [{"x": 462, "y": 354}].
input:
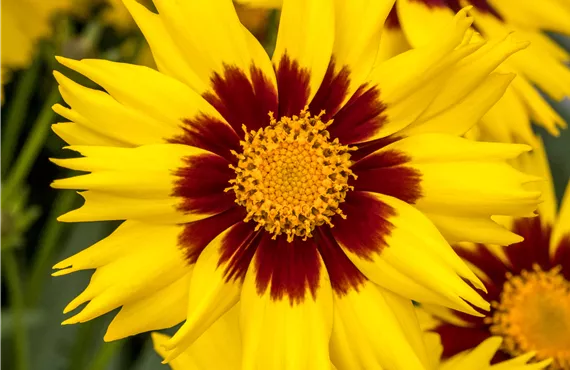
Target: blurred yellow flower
[{"x": 24, "y": 22}]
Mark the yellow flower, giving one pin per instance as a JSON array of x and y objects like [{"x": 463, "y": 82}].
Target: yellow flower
[
  {"x": 307, "y": 189},
  {"x": 412, "y": 23},
  {"x": 24, "y": 22},
  {"x": 528, "y": 283}
]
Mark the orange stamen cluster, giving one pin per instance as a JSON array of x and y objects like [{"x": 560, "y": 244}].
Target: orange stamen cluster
[
  {"x": 291, "y": 177},
  {"x": 534, "y": 315}
]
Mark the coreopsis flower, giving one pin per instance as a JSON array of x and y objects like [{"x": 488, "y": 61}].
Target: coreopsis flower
[
  {"x": 308, "y": 188},
  {"x": 528, "y": 284},
  {"x": 24, "y": 22},
  {"x": 542, "y": 64}
]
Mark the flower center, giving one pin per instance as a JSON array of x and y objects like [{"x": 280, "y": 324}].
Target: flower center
[
  {"x": 291, "y": 177},
  {"x": 534, "y": 315}
]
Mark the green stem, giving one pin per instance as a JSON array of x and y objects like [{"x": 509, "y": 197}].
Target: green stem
[
  {"x": 14, "y": 122},
  {"x": 104, "y": 355},
  {"x": 32, "y": 147},
  {"x": 16, "y": 297},
  {"x": 49, "y": 240}
]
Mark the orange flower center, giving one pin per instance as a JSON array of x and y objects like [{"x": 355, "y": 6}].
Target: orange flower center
[
  {"x": 534, "y": 315},
  {"x": 291, "y": 177}
]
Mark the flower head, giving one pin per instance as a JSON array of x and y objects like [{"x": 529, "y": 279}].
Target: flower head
[
  {"x": 528, "y": 284},
  {"x": 305, "y": 193},
  {"x": 24, "y": 23}
]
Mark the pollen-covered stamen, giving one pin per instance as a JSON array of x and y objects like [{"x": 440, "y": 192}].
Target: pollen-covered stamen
[
  {"x": 534, "y": 315},
  {"x": 291, "y": 177}
]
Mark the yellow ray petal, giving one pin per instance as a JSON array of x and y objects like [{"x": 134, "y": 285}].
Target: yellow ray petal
[
  {"x": 551, "y": 15},
  {"x": 409, "y": 81},
  {"x": 76, "y": 134},
  {"x": 154, "y": 262},
  {"x": 117, "y": 245},
  {"x": 392, "y": 43},
  {"x": 146, "y": 171},
  {"x": 480, "y": 358},
  {"x": 306, "y": 35},
  {"x": 145, "y": 90},
  {"x": 541, "y": 112},
  {"x": 420, "y": 21},
  {"x": 368, "y": 334},
  {"x": 279, "y": 334},
  {"x": 159, "y": 310},
  {"x": 463, "y": 115},
  {"x": 358, "y": 26},
  {"x": 139, "y": 181},
  {"x": 210, "y": 36},
  {"x": 218, "y": 348},
  {"x": 507, "y": 121},
  {"x": 476, "y": 229},
  {"x": 472, "y": 71},
  {"x": 435, "y": 272},
  {"x": 538, "y": 65},
  {"x": 536, "y": 163},
  {"x": 168, "y": 57},
  {"x": 476, "y": 189},
  {"x": 212, "y": 290},
  {"x": 118, "y": 121}
]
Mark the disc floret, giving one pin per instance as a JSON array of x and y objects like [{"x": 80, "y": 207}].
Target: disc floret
[
  {"x": 291, "y": 177},
  {"x": 533, "y": 314}
]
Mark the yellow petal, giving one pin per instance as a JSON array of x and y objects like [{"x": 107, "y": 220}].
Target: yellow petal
[
  {"x": 410, "y": 81},
  {"x": 210, "y": 37},
  {"x": 134, "y": 272},
  {"x": 99, "y": 112},
  {"x": 306, "y": 36},
  {"x": 476, "y": 229},
  {"x": 551, "y": 15},
  {"x": 213, "y": 290},
  {"x": 392, "y": 43},
  {"x": 159, "y": 310},
  {"x": 145, "y": 90},
  {"x": 480, "y": 358},
  {"x": 368, "y": 334},
  {"x": 472, "y": 71},
  {"x": 280, "y": 334},
  {"x": 76, "y": 134},
  {"x": 358, "y": 26},
  {"x": 538, "y": 65},
  {"x": 507, "y": 121},
  {"x": 463, "y": 115},
  {"x": 218, "y": 348},
  {"x": 138, "y": 181},
  {"x": 536, "y": 163},
  {"x": 421, "y": 21},
  {"x": 435, "y": 272},
  {"x": 168, "y": 57},
  {"x": 541, "y": 112}
]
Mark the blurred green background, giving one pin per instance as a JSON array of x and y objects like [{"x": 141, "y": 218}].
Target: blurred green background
[{"x": 32, "y": 239}]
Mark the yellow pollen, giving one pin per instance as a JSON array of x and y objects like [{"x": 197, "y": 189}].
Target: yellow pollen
[
  {"x": 534, "y": 315},
  {"x": 291, "y": 177}
]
